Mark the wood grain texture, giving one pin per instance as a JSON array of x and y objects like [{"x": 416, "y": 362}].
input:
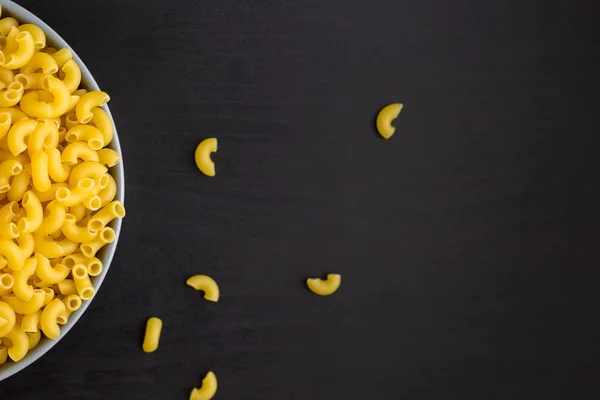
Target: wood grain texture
[{"x": 467, "y": 242}]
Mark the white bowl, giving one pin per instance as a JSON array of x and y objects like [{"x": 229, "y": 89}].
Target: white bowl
[{"x": 87, "y": 81}]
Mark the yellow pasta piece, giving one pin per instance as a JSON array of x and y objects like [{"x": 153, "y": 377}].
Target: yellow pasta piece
[
  {"x": 108, "y": 194},
  {"x": 3, "y": 355},
  {"x": 202, "y": 156},
  {"x": 50, "y": 194},
  {"x": 385, "y": 118},
  {"x": 39, "y": 38},
  {"x": 76, "y": 233},
  {"x": 56, "y": 169},
  {"x": 34, "y": 213},
  {"x": 102, "y": 121},
  {"x": 8, "y": 317},
  {"x": 46, "y": 246},
  {"x": 12, "y": 252},
  {"x": 8, "y": 169},
  {"x": 82, "y": 190},
  {"x": 25, "y": 48},
  {"x": 20, "y": 344},
  {"x": 105, "y": 236},
  {"x": 208, "y": 389},
  {"x": 61, "y": 56},
  {"x": 113, "y": 210},
  {"x": 25, "y": 307},
  {"x": 9, "y": 231},
  {"x": 5, "y": 123},
  {"x": 32, "y": 105},
  {"x": 40, "y": 62},
  {"x": 21, "y": 288},
  {"x": 86, "y": 169},
  {"x": 20, "y": 184},
  {"x": 31, "y": 322},
  {"x": 82, "y": 282},
  {"x": 26, "y": 244},
  {"x": 70, "y": 75},
  {"x": 89, "y": 101},
  {"x": 11, "y": 95},
  {"x": 8, "y": 212},
  {"x": 48, "y": 319},
  {"x": 67, "y": 287},
  {"x": 45, "y": 135},
  {"x": 54, "y": 217},
  {"x": 72, "y": 302},
  {"x": 79, "y": 151},
  {"x": 152, "y": 336},
  {"x": 6, "y": 282},
  {"x": 324, "y": 287},
  {"x": 48, "y": 295},
  {"x": 206, "y": 284},
  {"x": 6, "y": 24},
  {"x": 34, "y": 338},
  {"x": 109, "y": 157},
  {"x": 49, "y": 274},
  {"x": 86, "y": 133}
]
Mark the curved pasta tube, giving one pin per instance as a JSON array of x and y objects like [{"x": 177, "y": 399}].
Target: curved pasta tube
[
  {"x": 89, "y": 101},
  {"x": 26, "y": 244},
  {"x": 86, "y": 133},
  {"x": 32, "y": 80},
  {"x": 88, "y": 169},
  {"x": 50, "y": 194},
  {"x": 108, "y": 194},
  {"x": 9, "y": 231},
  {"x": 8, "y": 212},
  {"x": 30, "y": 322},
  {"x": 13, "y": 254},
  {"x": 57, "y": 171},
  {"x": 385, "y": 118},
  {"x": 49, "y": 316},
  {"x": 40, "y": 62},
  {"x": 34, "y": 216},
  {"x": 32, "y": 105},
  {"x": 7, "y": 314},
  {"x": 23, "y": 53},
  {"x": 39, "y": 38},
  {"x": 6, "y": 155},
  {"x": 20, "y": 344},
  {"x": 62, "y": 56},
  {"x": 26, "y": 307},
  {"x": 69, "y": 246},
  {"x": 109, "y": 157},
  {"x": 6, "y": 24},
  {"x": 34, "y": 338},
  {"x": 73, "y": 102},
  {"x": 71, "y": 121},
  {"x": 152, "y": 336},
  {"x": 82, "y": 282},
  {"x": 70, "y": 75},
  {"x": 8, "y": 169},
  {"x": 206, "y": 284},
  {"x": 102, "y": 121},
  {"x": 94, "y": 266},
  {"x": 202, "y": 156},
  {"x": 105, "y": 236},
  {"x": 6, "y": 282},
  {"x": 45, "y": 135},
  {"x": 48, "y": 295},
  {"x": 67, "y": 287},
  {"x": 208, "y": 389},
  {"x": 47, "y": 273},
  {"x": 324, "y": 287},
  {"x": 54, "y": 217},
  {"x": 5, "y": 123},
  {"x": 40, "y": 171},
  {"x": 113, "y": 210},
  {"x": 19, "y": 185},
  {"x": 72, "y": 302},
  {"x": 21, "y": 288},
  {"x": 11, "y": 95},
  {"x": 18, "y": 133},
  {"x": 79, "y": 151},
  {"x": 15, "y": 114},
  {"x": 6, "y": 76},
  {"x": 92, "y": 203},
  {"x": 76, "y": 233},
  {"x": 69, "y": 198},
  {"x": 44, "y": 245},
  {"x": 78, "y": 211}
]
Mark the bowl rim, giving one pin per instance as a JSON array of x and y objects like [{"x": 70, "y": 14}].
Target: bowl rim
[{"x": 25, "y": 16}]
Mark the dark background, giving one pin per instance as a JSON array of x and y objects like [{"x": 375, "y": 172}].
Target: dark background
[{"x": 468, "y": 243}]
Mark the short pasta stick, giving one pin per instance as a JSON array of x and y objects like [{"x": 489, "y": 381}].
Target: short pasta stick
[
  {"x": 208, "y": 389},
  {"x": 31, "y": 322},
  {"x": 105, "y": 236},
  {"x": 202, "y": 156},
  {"x": 94, "y": 267},
  {"x": 89, "y": 101},
  {"x": 48, "y": 319},
  {"x": 20, "y": 344},
  {"x": 7, "y": 314},
  {"x": 206, "y": 284},
  {"x": 152, "y": 336},
  {"x": 385, "y": 117},
  {"x": 324, "y": 287},
  {"x": 113, "y": 210},
  {"x": 82, "y": 282},
  {"x": 67, "y": 287},
  {"x": 34, "y": 213}
]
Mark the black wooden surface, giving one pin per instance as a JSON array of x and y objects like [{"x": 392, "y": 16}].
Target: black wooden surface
[{"x": 467, "y": 242}]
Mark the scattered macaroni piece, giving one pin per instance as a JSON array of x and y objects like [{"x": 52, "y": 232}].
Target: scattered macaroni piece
[
  {"x": 57, "y": 197},
  {"x": 325, "y": 287},
  {"x": 153, "y": 328},
  {"x": 206, "y": 284},
  {"x": 208, "y": 389},
  {"x": 385, "y": 118},
  {"x": 202, "y": 156}
]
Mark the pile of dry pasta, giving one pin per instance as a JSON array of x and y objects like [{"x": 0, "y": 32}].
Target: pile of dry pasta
[{"x": 56, "y": 194}]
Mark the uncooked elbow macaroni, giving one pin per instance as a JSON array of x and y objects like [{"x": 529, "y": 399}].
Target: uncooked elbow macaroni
[
  {"x": 385, "y": 118},
  {"x": 324, "y": 287},
  {"x": 202, "y": 156},
  {"x": 152, "y": 336},
  {"x": 206, "y": 284},
  {"x": 57, "y": 197},
  {"x": 208, "y": 389}
]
